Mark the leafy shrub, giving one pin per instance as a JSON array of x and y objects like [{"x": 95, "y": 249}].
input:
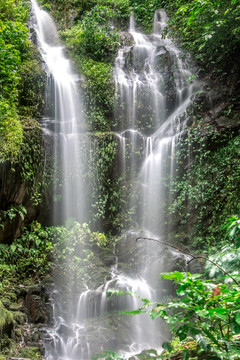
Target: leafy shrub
[
  {"x": 208, "y": 188},
  {"x": 205, "y": 311},
  {"x": 32, "y": 85},
  {"x": 11, "y": 132},
  {"x": 210, "y": 30},
  {"x": 233, "y": 229},
  {"x": 93, "y": 36},
  {"x": 41, "y": 250},
  {"x": 228, "y": 256},
  {"x": 13, "y": 44},
  {"x": 144, "y": 12},
  {"x": 29, "y": 255},
  {"x": 99, "y": 93}
]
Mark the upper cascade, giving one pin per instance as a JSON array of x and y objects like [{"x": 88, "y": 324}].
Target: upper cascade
[
  {"x": 66, "y": 99},
  {"x": 155, "y": 86},
  {"x": 151, "y": 79},
  {"x": 64, "y": 117}
]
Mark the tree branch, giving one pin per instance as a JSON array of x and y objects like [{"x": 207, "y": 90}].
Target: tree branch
[{"x": 187, "y": 253}]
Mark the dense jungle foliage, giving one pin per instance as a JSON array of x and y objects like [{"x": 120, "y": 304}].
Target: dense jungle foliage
[
  {"x": 19, "y": 65},
  {"x": 206, "y": 190}
]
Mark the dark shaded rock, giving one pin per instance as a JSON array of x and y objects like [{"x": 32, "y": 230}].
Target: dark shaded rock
[
  {"x": 37, "y": 305},
  {"x": 65, "y": 330},
  {"x": 20, "y": 183},
  {"x": 226, "y": 123}
]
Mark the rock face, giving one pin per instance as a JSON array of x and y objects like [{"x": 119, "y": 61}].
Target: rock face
[
  {"x": 24, "y": 310},
  {"x": 13, "y": 193},
  {"x": 37, "y": 305},
  {"x": 24, "y": 186},
  {"x": 215, "y": 109}
]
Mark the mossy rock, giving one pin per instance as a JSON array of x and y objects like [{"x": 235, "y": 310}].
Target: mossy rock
[
  {"x": 19, "y": 317},
  {"x": 6, "y": 319}
]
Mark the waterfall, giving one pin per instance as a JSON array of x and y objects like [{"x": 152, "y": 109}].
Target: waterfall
[
  {"x": 155, "y": 91},
  {"x": 150, "y": 116},
  {"x": 64, "y": 120}
]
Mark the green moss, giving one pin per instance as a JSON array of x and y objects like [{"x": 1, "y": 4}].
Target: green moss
[
  {"x": 32, "y": 165},
  {"x": 207, "y": 192},
  {"x": 32, "y": 85},
  {"x": 30, "y": 353},
  {"x": 11, "y": 132},
  {"x": 98, "y": 89},
  {"x": 19, "y": 317},
  {"x": 6, "y": 318}
]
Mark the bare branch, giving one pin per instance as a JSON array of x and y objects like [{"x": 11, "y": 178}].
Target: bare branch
[{"x": 187, "y": 253}]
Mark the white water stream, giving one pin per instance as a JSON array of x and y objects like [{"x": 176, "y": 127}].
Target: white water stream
[
  {"x": 155, "y": 90},
  {"x": 65, "y": 119},
  {"x": 154, "y": 94}
]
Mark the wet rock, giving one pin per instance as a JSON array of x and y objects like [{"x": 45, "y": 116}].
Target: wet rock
[
  {"x": 126, "y": 38},
  {"x": 226, "y": 124},
  {"x": 65, "y": 330}
]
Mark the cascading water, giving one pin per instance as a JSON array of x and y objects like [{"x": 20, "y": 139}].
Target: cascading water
[
  {"x": 150, "y": 112},
  {"x": 155, "y": 87},
  {"x": 65, "y": 120}
]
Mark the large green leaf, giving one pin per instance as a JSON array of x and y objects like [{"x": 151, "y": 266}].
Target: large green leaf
[{"x": 237, "y": 318}]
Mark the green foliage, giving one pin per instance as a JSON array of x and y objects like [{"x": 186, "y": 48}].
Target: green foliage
[
  {"x": 6, "y": 318},
  {"x": 209, "y": 29},
  {"x": 93, "y": 37},
  {"x": 68, "y": 13},
  {"x": 143, "y": 11},
  {"x": 13, "y": 44},
  {"x": 107, "y": 199},
  {"x": 228, "y": 256},
  {"x": 98, "y": 93},
  {"x": 233, "y": 229},
  {"x": 33, "y": 165},
  {"x": 28, "y": 256},
  {"x": 93, "y": 44},
  {"x": 14, "y": 10},
  {"x": 98, "y": 40},
  {"x": 11, "y": 132},
  {"x": 74, "y": 254},
  {"x": 109, "y": 355},
  {"x": 30, "y": 353},
  {"x": 204, "y": 311},
  {"x": 12, "y": 213},
  {"x": 208, "y": 189},
  {"x": 32, "y": 85}
]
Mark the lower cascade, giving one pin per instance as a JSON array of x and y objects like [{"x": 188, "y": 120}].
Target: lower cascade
[{"x": 153, "y": 94}]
